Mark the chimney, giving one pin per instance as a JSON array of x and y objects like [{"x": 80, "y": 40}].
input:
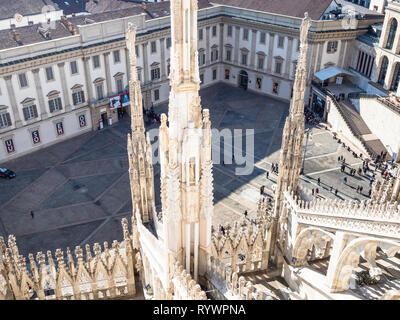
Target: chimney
[{"x": 144, "y": 7}]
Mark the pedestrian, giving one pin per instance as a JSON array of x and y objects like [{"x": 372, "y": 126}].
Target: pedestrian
[
  {"x": 267, "y": 174},
  {"x": 222, "y": 230},
  {"x": 262, "y": 190},
  {"x": 370, "y": 182},
  {"x": 316, "y": 190},
  {"x": 369, "y": 193},
  {"x": 338, "y": 159},
  {"x": 331, "y": 188},
  {"x": 361, "y": 189},
  {"x": 345, "y": 180},
  {"x": 336, "y": 191},
  {"x": 245, "y": 213},
  {"x": 312, "y": 191},
  {"x": 32, "y": 214},
  {"x": 319, "y": 181},
  {"x": 358, "y": 188}
]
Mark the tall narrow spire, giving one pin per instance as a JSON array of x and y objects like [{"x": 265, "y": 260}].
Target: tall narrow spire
[
  {"x": 185, "y": 150},
  {"x": 135, "y": 92},
  {"x": 293, "y": 135},
  {"x": 141, "y": 173}
]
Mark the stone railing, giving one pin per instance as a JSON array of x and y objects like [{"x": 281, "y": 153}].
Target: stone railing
[
  {"x": 230, "y": 284},
  {"x": 184, "y": 287},
  {"x": 242, "y": 247},
  {"x": 364, "y": 217},
  {"x": 107, "y": 275}
]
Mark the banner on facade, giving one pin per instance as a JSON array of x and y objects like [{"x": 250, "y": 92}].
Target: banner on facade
[{"x": 120, "y": 100}]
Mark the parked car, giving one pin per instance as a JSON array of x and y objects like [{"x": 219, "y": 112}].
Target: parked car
[{"x": 5, "y": 173}]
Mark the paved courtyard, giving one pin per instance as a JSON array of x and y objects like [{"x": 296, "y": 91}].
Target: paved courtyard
[{"x": 79, "y": 189}]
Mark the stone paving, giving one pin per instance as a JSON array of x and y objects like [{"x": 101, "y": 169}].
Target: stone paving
[{"x": 79, "y": 189}]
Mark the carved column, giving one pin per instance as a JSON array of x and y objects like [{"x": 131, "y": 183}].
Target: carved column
[
  {"x": 253, "y": 48},
  {"x": 108, "y": 75},
  {"x": 188, "y": 248},
  {"x": 221, "y": 42},
  {"x": 338, "y": 246},
  {"x": 288, "y": 57},
  {"x": 270, "y": 52},
  {"x": 163, "y": 71},
  {"x": 207, "y": 45},
  {"x": 13, "y": 101},
  {"x": 196, "y": 251},
  {"x": 64, "y": 86},
  {"x": 236, "y": 46},
  {"x": 39, "y": 91}
]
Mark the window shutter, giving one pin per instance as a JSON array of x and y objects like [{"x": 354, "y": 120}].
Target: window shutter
[
  {"x": 34, "y": 111},
  {"x": 82, "y": 96},
  {"x": 8, "y": 118},
  {"x": 26, "y": 113},
  {"x": 59, "y": 104}
]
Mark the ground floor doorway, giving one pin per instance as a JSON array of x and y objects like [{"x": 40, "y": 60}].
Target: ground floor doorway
[{"x": 243, "y": 79}]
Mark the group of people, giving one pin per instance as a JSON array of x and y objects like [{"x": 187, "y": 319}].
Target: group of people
[
  {"x": 275, "y": 168},
  {"x": 151, "y": 115},
  {"x": 311, "y": 117}
]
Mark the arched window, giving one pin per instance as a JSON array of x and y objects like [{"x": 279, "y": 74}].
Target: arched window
[
  {"x": 396, "y": 78},
  {"x": 382, "y": 74},
  {"x": 392, "y": 33}
]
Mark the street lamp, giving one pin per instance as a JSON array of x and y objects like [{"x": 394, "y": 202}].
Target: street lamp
[{"x": 307, "y": 132}]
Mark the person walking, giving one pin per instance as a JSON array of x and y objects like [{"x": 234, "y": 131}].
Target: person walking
[
  {"x": 369, "y": 193},
  {"x": 245, "y": 213},
  {"x": 336, "y": 191},
  {"x": 319, "y": 181},
  {"x": 267, "y": 174},
  {"x": 317, "y": 191},
  {"x": 361, "y": 189},
  {"x": 345, "y": 180},
  {"x": 331, "y": 189},
  {"x": 358, "y": 188},
  {"x": 312, "y": 191},
  {"x": 32, "y": 214}
]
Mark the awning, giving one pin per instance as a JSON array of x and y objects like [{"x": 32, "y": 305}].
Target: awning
[{"x": 331, "y": 72}]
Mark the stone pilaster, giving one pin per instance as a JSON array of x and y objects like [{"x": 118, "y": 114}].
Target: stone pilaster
[
  {"x": 89, "y": 84},
  {"x": 314, "y": 46},
  {"x": 108, "y": 73},
  {"x": 163, "y": 69},
  {"x": 289, "y": 53},
  {"x": 145, "y": 64},
  {"x": 64, "y": 86},
  {"x": 208, "y": 53},
  {"x": 343, "y": 45},
  {"x": 127, "y": 63},
  {"x": 13, "y": 101},
  {"x": 236, "y": 46},
  {"x": 319, "y": 56},
  {"x": 270, "y": 57},
  {"x": 253, "y": 48},
  {"x": 39, "y": 91},
  {"x": 221, "y": 42}
]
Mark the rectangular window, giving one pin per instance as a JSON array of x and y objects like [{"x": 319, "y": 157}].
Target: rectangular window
[
  {"x": 278, "y": 67},
  {"x": 78, "y": 97},
  {"x": 262, "y": 37},
  {"x": 214, "y": 74},
  {"x": 200, "y": 34},
  {"x": 96, "y": 62},
  {"x": 5, "y": 120},
  {"x": 35, "y": 136},
  {"x": 99, "y": 91},
  {"x": 55, "y": 104},
  {"x": 49, "y": 73},
  {"x": 332, "y": 46},
  {"x": 214, "y": 31},
  {"x": 244, "y": 58},
  {"x": 227, "y": 74},
  {"x": 260, "y": 62},
  {"x": 9, "y": 145},
  {"x": 74, "y": 67},
  {"x": 156, "y": 95},
  {"x": 229, "y": 31},
  {"x": 228, "y": 55},
  {"x": 201, "y": 78},
  {"x": 275, "y": 87},
  {"x": 155, "y": 73},
  {"x": 137, "y": 51},
  {"x": 168, "y": 43},
  {"x": 258, "y": 83},
  {"x": 120, "y": 85},
  {"x": 202, "y": 58},
  {"x": 153, "y": 47},
  {"x": 117, "y": 58},
  {"x": 22, "y": 80},
  {"x": 245, "y": 34},
  {"x": 60, "y": 128},
  {"x": 281, "y": 41},
  {"x": 30, "y": 112}
]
